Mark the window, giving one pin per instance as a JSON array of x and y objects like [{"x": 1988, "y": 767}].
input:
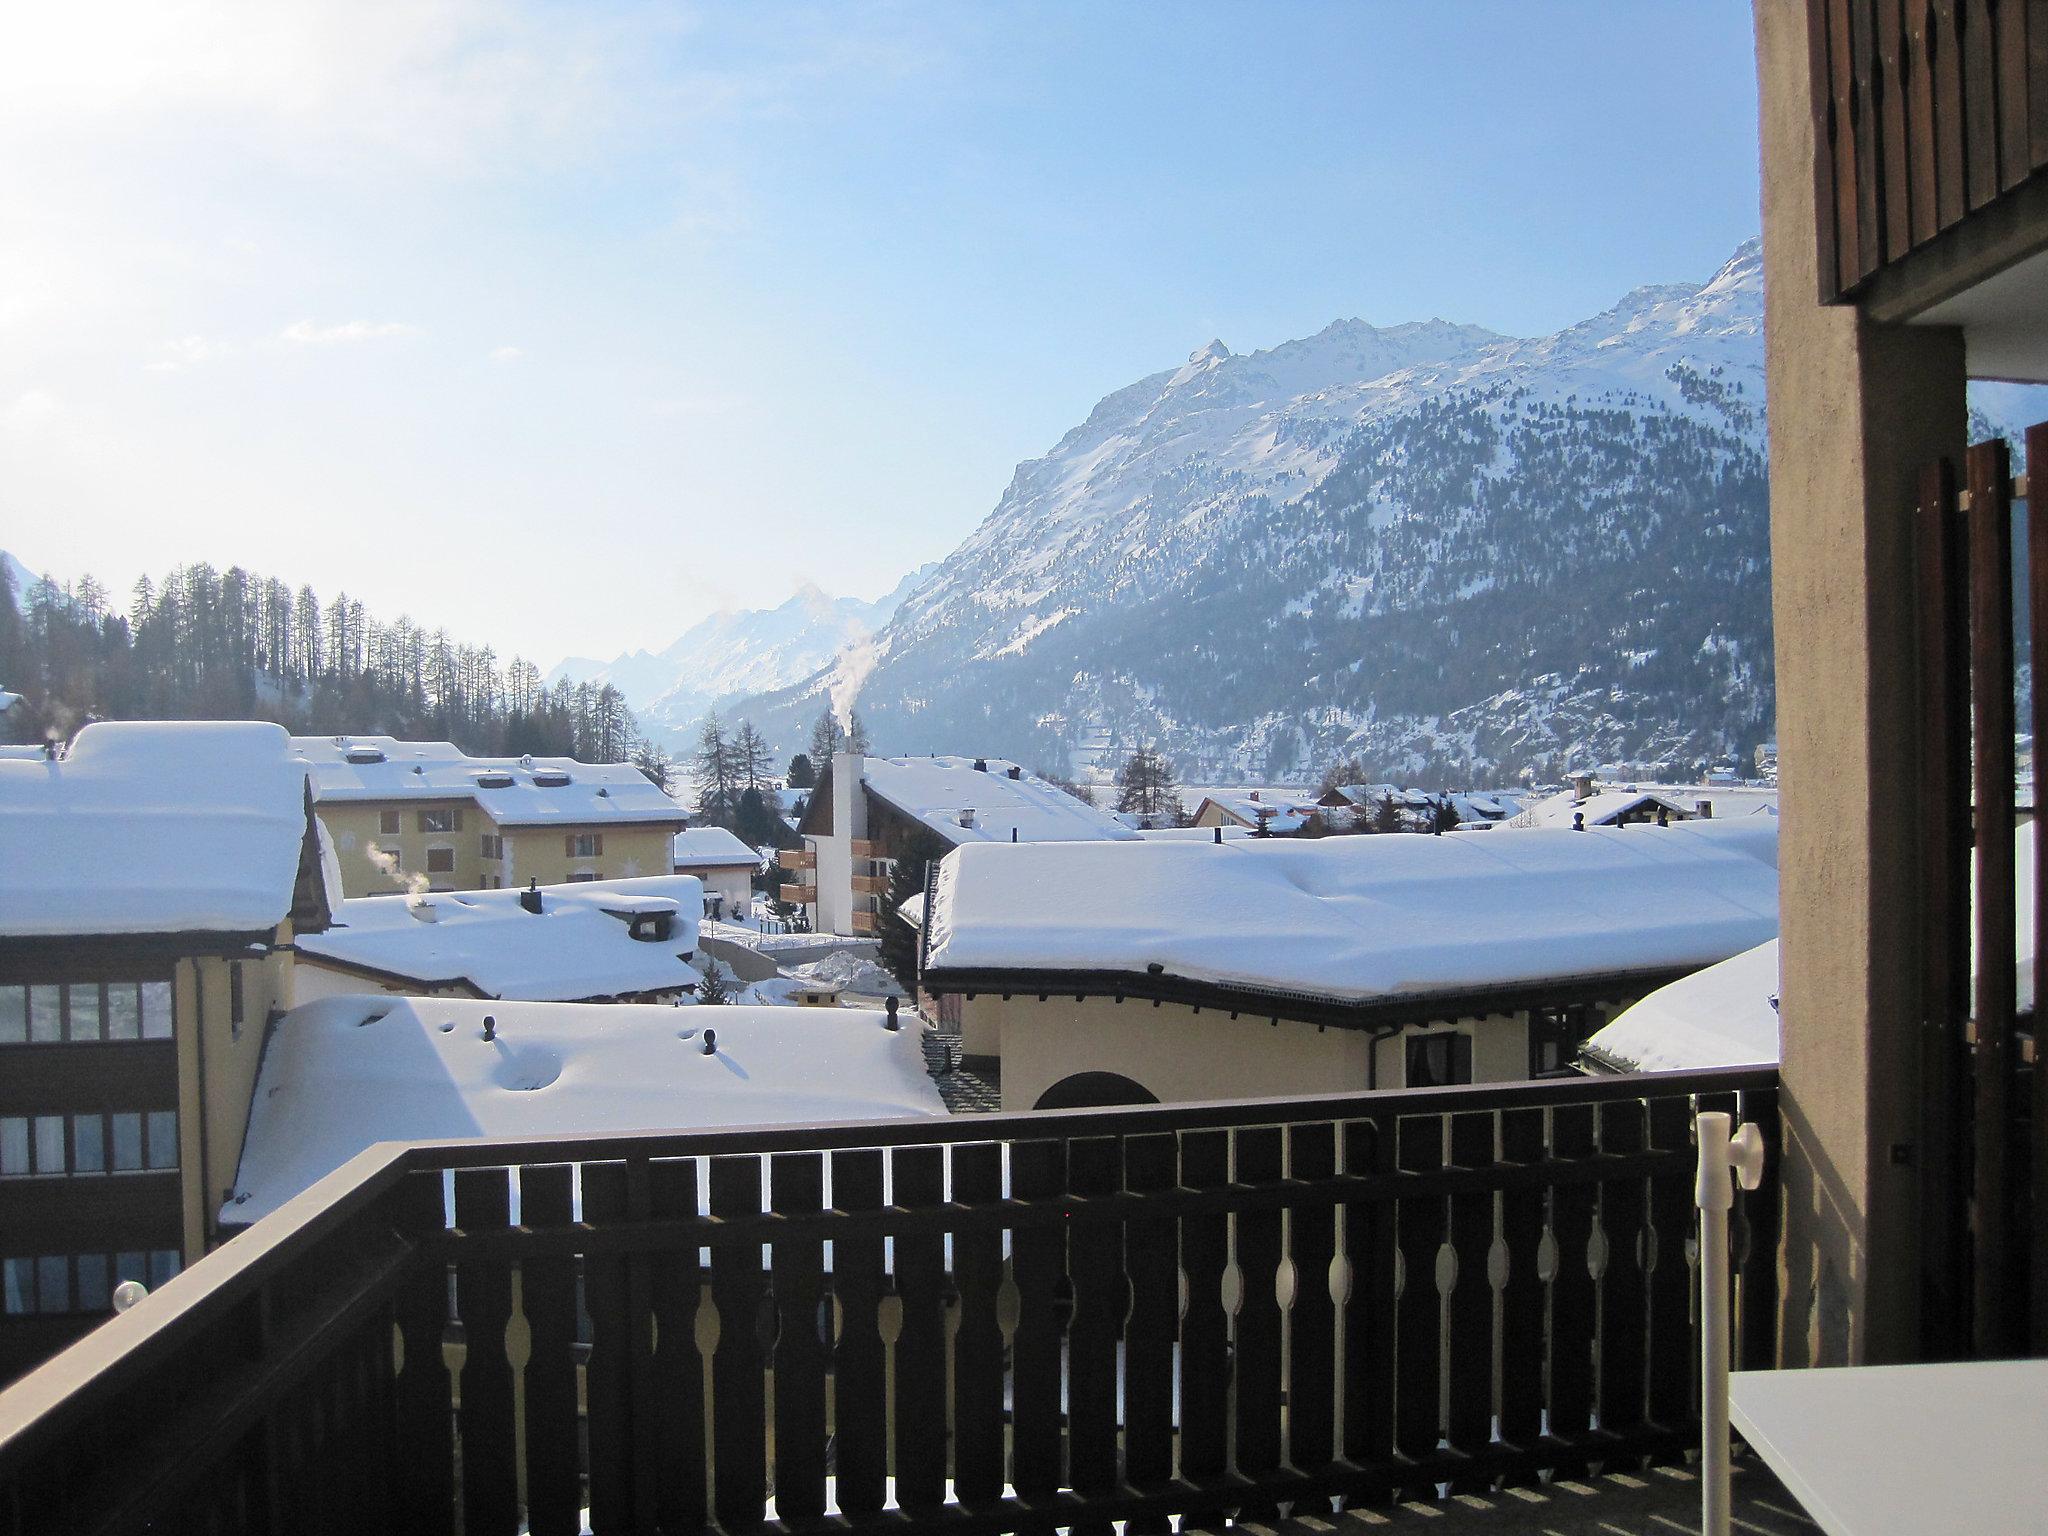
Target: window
[
  {"x": 14, "y": 1162},
  {"x": 49, "y": 1145},
  {"x": 1439, "y": 1060},
  {"x": 82, "y": 1000},
  {"x": 235, "y": 1003},
  {"x": 446, "y": 819},
  {"x": 493, "y": 846},
  {"x": 583, "y": 877},
  {"x": 124, "y": 1011},
  {"x": 387, "y": 823},
  {"x": 1555, "y": 1035},
  {"x": 17, "y": 1286},
  {"x": 156, "y": 1010},
  {"x": 53, "y": 1284},
  {"x": 131, "y": 1266},
  {"x": 163, "y": 1138},
  {"x": 88, "y": 1144},
  {"x": 13, "y": 1015},
  {"x": 584, "y": 845},
  {"x": 127, "y": 1141},
  {"x": 46, "y": 1013},
  {"x": 163, "y": 1264},
  {"x": 94, "y": 1294},
  {"x": 440, "y": 861}
]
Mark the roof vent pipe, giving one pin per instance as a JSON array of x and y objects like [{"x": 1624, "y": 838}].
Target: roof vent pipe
[
  {"x": 530, "y": 897},
  {"x": 490, "y": 1027},
  {"x": 1013, "y": 834},
  {"x": 891, "y": 1023},
  {"x": 710, "y": 1042},
  {"x": 1219, "y": 834},
  {"x": 981, "y": 765},
  {"x": 1578, "y": 821},
  {"x": 1016, "y": 772}
]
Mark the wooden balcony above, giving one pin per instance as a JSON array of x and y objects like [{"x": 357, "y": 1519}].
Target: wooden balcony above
[
  {"x": 867, "y": 922},
  {"x": 804, "y": 894},
  {"x": 870, "y": 885},
  {"x": 864, "y": 848},
  {"x": 1931, "y": 133},
  {"x": 796, "y": 858}
]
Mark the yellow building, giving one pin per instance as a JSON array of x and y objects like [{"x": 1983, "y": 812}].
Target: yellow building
[
  {"x": 413, "y": 815},
  {"x": 156, "y": 878}
]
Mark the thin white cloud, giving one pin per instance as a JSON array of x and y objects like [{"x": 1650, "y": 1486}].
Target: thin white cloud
[
  {"x": 28, "y": 410},
  {"x": 304, "y": 333},
  {"x": 506, "y": 354},
  {"x": 187, "y": 352}
]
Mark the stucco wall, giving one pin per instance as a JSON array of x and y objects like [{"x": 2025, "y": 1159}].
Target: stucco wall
[
  {"x": 355, "y": 829},
  {"x": 1180, "y": 1055},
  {"x": 538, "y": 853}
]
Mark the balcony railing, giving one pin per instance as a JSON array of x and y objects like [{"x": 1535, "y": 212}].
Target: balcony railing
[
  {"x": 866, "y": 922},
  {"x": 799, "y": 893},
  {"x": 974, "y": 1325},
  {"x": 870, "y": 885},
  {"x": 796, "y": 858}
]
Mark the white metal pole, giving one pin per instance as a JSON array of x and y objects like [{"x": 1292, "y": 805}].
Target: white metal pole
[{"x": 1723, "y": 1158}]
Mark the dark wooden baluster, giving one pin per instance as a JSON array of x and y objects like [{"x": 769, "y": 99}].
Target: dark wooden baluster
[
  {"x": 1419, "y": 1229},
  {"x": 1920, "y": 130},
  {"x": 1624, "y": 1294},
  {"x": 483, "y": 1300},
  {"x": 1945, "y": 59},
  {"x": 1980, "y": 103},
  {"x": 608, "y": 1375},
  {"x": 739, "y": 1285},
  {"x": 1038, "y": 1266},
  {"x": 796, "y": 1182},
  {"x": 1572, "y": 1294},
  {"x": 1756, "y": 1222},
  {"x": 1864, "y": 121},
  {"x": 860, "y": 1365},
  {"x": 1891, "y": 131},
  {"x": 2015, "y": 152},
  {"x": 1258, "y": 1316},
  {"x": 1149, "y": 1332},
  {"x": 917, "y": 1176},
  {"x": 1205, "y": 1327},
  {"x": 1095, "y": 1265},
  {"x": 1989, "y": 468},
  {"x": 978, "y": 1344},
  {"x": 1369, "y": 1308},
  {"x": 422, "y": 1394},
  {"x": 678, "y": 1365},
  {"x": 1312, "y": 1317},
  {"x": 1674, "y": 1352},
  {"x": 1523, "y": 1296},
  {"x": 547, "y": 1295},
  {"x": 1469, "y": 1413},
  {"x": 2037, "y": 613}
]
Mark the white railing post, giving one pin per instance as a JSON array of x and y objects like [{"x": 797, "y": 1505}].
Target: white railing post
[{"x": 1723, "y": 1158}]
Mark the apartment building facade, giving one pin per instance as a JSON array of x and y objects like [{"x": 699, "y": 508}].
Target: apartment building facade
[
  {"x": 422, "y": 815},
  {"x": 157, "y": 876}
]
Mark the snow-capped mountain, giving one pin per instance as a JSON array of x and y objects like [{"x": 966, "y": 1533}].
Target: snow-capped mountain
[
  {"x": 20, "y": 577},
  {"x": 1443, "y": 550},
  {"x": 737, "y": 653}
]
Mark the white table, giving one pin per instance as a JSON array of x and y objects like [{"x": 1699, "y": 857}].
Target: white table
[{"x": 1906, "y": 1449}]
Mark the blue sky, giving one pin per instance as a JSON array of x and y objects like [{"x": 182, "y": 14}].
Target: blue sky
[{"x": 562, "y": 325}]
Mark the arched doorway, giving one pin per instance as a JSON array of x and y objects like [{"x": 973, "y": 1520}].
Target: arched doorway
[{"x": 1094, "y": 1090}]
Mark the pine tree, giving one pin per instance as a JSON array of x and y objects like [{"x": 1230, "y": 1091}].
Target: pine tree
[
  {"x": 714, "y": 771},
  {"x": 652, "y": 759},
  {"x": 800, "y": 774},
  {"x": 857, "y": 734},
  {"x": 713, "y": 988},
  {"x": 753, "y": 758},
  {"x": 826, "y": 738},
  {"x": 1146, "y": 785},
  {"x": 899, "y": 941},
  {"x": 1386, "y": 816}
]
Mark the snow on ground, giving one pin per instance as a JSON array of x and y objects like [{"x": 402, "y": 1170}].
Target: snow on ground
[
  {"x": 344, "y": 1073},
  {"x": 579, "y": 945},
  {"x": 946, "y": 793},
  {"x": 1727, "y": 1015},
  {"x": 1357, "y": 918},
  {"x": 152, "y": 827},
  {"x": 852, "y": 973}
]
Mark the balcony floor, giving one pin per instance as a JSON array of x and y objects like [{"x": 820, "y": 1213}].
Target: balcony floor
[{"x": 1663, "y": 1501}]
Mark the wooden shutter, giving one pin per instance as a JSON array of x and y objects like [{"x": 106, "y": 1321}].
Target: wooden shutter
[
  {"x": 597, "y": 845},
  {"x": 458, "y": 818},
  {"x": 569, "y": 846}
]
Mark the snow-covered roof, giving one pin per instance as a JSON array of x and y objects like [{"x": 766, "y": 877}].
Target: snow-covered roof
[
  {"x": 1726, "y": 1015},
  {"x": 1280, "y": 815},
  {"x": 1723, "y": 1016},
  {"x": 153, "y": 827},
  {"x": 941, "y": 791},
  {"x": 1192, "y": 834},
  {"x": 713, "y": 848},
  {"x": 1362, "y": 919},
  {"x": 8, "y": 700},
  {"x": 513, "y": 791},
  {"x": 344, "y": 1073},
  {"x": 1605, "y": 806},
  {"x": 579, "y": 945}
]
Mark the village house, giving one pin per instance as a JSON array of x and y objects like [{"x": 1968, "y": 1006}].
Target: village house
[
  {"x": 724, "y": 864},
  {"x": 156, "y": 877},
  {"x": 1092, "y": 974},
  {"x": 1588, "y": 802},
  {"x": 408, "y": 815},
  {"x": 866, "y": 812},
  {"x": 1270, "y": 817},
  {"x": 594, "y": 941}
]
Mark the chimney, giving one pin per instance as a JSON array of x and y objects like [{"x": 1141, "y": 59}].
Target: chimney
[
  {"x": 530, "y": 897},
  {"x": 1706, "y": 810},
  {"x": 1013, "y": 834},
  {"x": 1582, "y": 786},
  {"x": 1219, "y": 835},
  {"x": 967, "y": 817},
  {"x": 1016, "y": 772},
  {"x": 981, "y": 765}
]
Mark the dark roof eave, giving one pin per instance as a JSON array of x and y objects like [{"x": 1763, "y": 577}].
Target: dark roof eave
[{"x": 1305, "y": 1007}]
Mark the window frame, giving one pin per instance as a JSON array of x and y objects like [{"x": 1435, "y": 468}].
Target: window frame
[{"x": 1414, "y": 1047}]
